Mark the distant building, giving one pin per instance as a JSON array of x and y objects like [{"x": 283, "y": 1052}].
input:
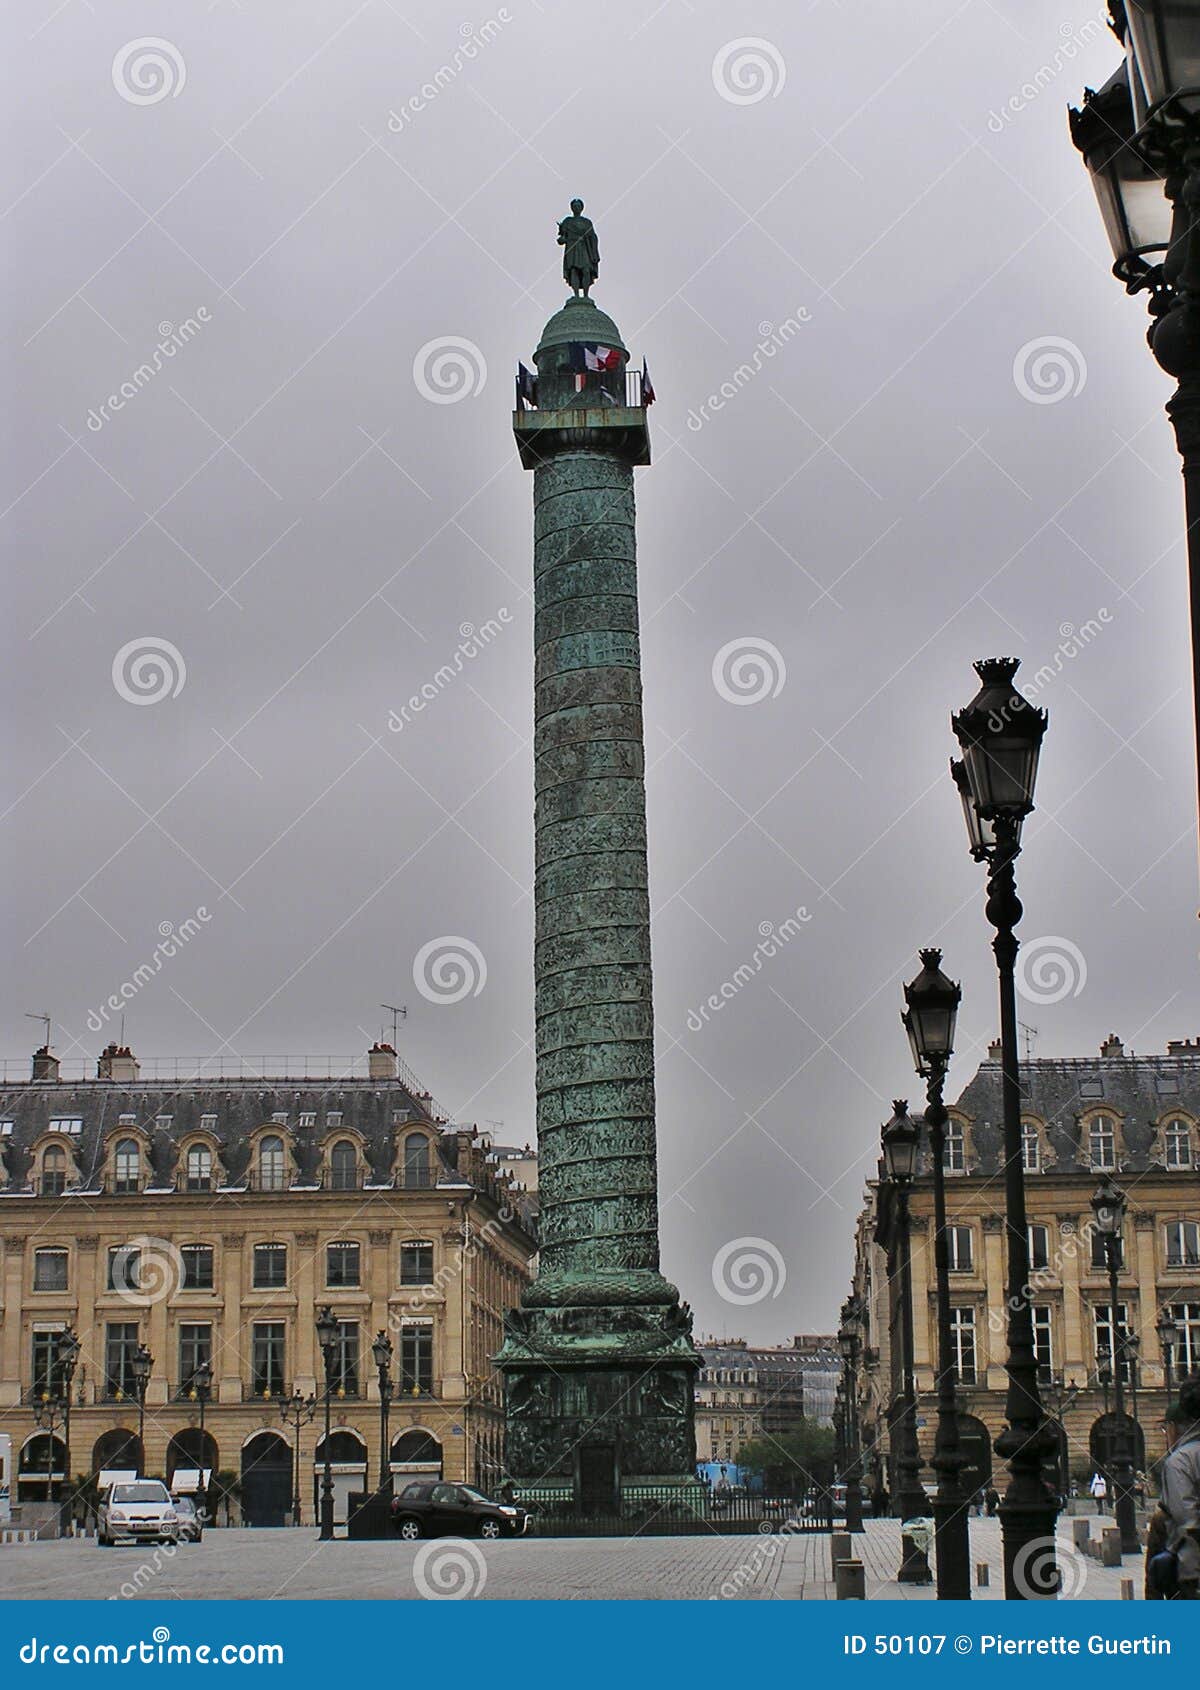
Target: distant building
[
  {"x": 521, "y": 1166},
  {"x": 210, "y": 1219},
  {"x": 746, "y": 1391},
  {"x": 1134, "y": 1117}
]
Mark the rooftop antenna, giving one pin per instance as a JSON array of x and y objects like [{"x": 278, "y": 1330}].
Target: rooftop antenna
[
  {"x": 398, "y": 1013},
  {"x": 1030, "y": 1034},
  {"x": 44, "y": 1017}
]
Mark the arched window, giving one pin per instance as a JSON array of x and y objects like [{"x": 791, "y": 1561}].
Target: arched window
[
  {"x": 1031, "y": 1149},
  {"x": 1177, "y": 1145},
  {"x": 954, "y": 1157},
  {"x": 343, "y": 1166},
  {"x": 199, "y": 1168},
  {"x": 271, "y": 1172},
  {"x": 54, "y": 1171},
  {"x": 416, "y": 1161},
  {"x": 127, "y": 1167}
]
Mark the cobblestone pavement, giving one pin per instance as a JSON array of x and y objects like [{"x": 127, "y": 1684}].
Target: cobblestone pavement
[{"x": 295, "y": 1565}]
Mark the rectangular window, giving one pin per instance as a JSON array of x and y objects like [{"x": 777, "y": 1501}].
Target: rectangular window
[
  {"x": 280, "y": 1117},
  {"x": 120, "y": 1346},
  {"x": 1031, "y": 1149},
  {"x": 266, "y": 1358},
  {"x": 195, "y": 1348},
  {"x": 50, "y": 1270},
  {"x": 270, "y": 1267},
  {"x": 308, "y": 1120},
  {"x": 1102, "y": 1143},
  {"x": 1102, "y": 1315},
  {"x": 208, "y": 1123},
  {"x": 47, "y": 1377},
  {"x": 1039, "y": 1248},
  {"x": 72, "y": 1124},
  {"x": 954, "y": 1156},
  {"x": 345, "y": 1358},
  {"x": 333, "y": 1118},
  {"x": 962, "y": 1338},
  {"x": 416, "y": 1359},
  {"x": 124, "y": 1267},
  {"x": 1183, "y": 1244},
  {"x": 1043, "y": 1344},
  {"x": 1099, "y": 1256},
  {"x": 416, "y": 1263},
  {"x": 1187, "y": 1339},
  {"x": 342, "y": 1266},
  {"x": 197, "y": 1267},
  {"x": 958, "y": 1248},
  {"x": 1177, "y": 1145}
]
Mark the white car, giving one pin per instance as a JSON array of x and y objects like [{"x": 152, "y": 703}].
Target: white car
[{"x": 138, "y": 1511}]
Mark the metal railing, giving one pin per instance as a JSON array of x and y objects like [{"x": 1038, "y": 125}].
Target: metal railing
[
  {"x": 684, "y": 1511},
  {"x": 634, "y": 397}
]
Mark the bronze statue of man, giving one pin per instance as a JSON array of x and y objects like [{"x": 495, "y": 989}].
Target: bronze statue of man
[{"x": 581, "y": 250}]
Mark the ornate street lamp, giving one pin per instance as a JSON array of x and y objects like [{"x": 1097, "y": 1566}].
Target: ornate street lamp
[
  {"x": 1000, "y": 734},
  {"x": 327, "y": 1337},
  {"x": 48, "y": 1417},
  {"x": 140, "y": 1365},
  {"x": 849, "y": 1342},
  {"x": 1166, "y": 1331},
  {"x": 1108, "y": 1209},
  {"x": 900, "y": 1140},
  {"x": 1140, "y": 138},
  {"x": 382, "y": 1352},
  {"x": 296, "y": 1411},
  {"x": 67, "y": 1350},
  {"x": 929, "y": 1019}
]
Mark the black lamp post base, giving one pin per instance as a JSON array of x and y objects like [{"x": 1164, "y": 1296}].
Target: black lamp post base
[
  {"x": 953, "y": 1544},
  {"x": 914, "y": 1563},
  {"x": 1030, "y": 1551}
]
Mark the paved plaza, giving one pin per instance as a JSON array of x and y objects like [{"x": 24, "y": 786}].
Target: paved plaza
[{"x": 295, "y": 1565}]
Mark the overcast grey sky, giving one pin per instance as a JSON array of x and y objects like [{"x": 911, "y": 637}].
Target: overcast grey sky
[{"x": 313, "y": 495}]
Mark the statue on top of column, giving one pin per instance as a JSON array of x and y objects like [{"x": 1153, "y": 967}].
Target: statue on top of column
[{"x": 581, "y": 250}]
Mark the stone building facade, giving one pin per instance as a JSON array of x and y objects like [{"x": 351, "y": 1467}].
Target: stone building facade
[
  {"x": 1135, "y": 1117},
  {"x": 210, "y": 1220},
  {"x": 746, "y": 1391}
]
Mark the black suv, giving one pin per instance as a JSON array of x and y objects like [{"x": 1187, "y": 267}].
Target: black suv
[{"x": 432, "y": 1508}]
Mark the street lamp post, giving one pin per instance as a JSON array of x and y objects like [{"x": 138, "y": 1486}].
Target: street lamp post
[
  {"x": 1000, "y": 734},
  {"x": 382, "y": 1351},
  {"x": 929, "y": 1019},
  {"x": 900, "y": 1138},
  {"x": 1140, "y": 139},
  {"x": 1167, "y": 1332},
  {"x": 296, "y": 1411},
  {"x": 67, "y": 1357},
  {"x": 141, "y": 1365},
  {"x": 1108, "y": 1208},
  {"x": 48, "y": 1417},
  {"x": 327, "y": 1336},
  {"x": 849, "y": 1339}
]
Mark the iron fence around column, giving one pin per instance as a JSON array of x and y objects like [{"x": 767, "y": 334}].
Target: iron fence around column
[{"x": 679, "y": 1511}]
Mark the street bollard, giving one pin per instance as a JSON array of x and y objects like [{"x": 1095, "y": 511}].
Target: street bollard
[
  {"x": 1127, "y": 1590},
  {"x": 1110, "y": 1547},
  {"x": 982, "y": 1575},
  {"x": 841, "y": 1548},
  {"x": 850, "y": 1580},
  {"x": 1081, "y": 1530}
]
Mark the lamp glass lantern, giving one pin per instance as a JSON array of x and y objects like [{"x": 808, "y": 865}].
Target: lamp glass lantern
[
  {"x": 1165, "y": 38},
  {"x": 1000, "y": 734},
  {"x": 381, "y": 1349},
  {"x": 900, "y": 1139},
  {"x": 327, "y": 1328},
  {"x": 68, "y": 1348},
  {"x": 931, "y": 1014},
  {"x": 1166, "y": 1331},
  {"x": 1108, "y": 1208},
  {"x": 981, "y": 830},
  {"x": 140, "y": 1364},
  {"x": 1129, "y": 191}
]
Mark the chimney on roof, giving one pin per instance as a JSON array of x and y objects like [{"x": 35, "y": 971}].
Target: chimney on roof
[
  {"x": 1182, "y": 1047},
  {"x": 117, "y": 1062},
  {"x": 381, "y": 1062},
  {"x": 45, "y": 1066},
  {"x": 995, "y": 1051},
  {"x": 1112, "y": 1046}
]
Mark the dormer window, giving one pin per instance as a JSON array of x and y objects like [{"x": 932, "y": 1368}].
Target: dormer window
[
  {"x": 954, "y": 1156},
  {"x": 272, "y": 1173},
  {"x": 1177, "y": 1145},
  {"x": 199, "y": 1168},
  {"x": 1102, "y": 1143},
  {"x": 417, "y": 1175},
  {"x": 127, "y": 1167},
  {"x": 54, "y": 1171},
  {"x": 343, "y": 1166},
  {"x": 1031, "y": 1148}
]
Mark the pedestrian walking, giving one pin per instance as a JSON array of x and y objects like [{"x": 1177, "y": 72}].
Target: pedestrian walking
[
  {"x": 1181, "y": 1490},
  {"x": 1099, "y": 1491}
]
